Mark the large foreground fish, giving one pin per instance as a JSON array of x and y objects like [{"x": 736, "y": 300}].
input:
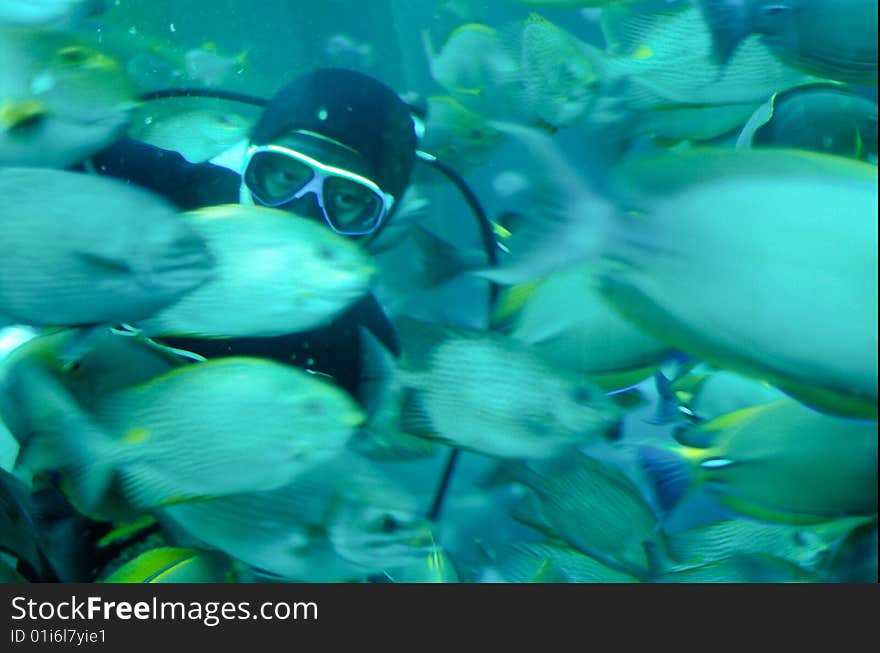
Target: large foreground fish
[
  {"x": 763, "y": 262},
  {"x": 81, "y": 249}
]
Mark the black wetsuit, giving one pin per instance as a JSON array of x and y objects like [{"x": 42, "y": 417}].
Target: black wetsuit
[{"x": 333, "y": 349}]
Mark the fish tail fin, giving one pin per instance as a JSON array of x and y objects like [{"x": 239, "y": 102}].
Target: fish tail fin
[
  {"x": 729, "y": 23},
  {"x": 575, "y": 220},
  {"x": 441, "y": 261},
  {"x": 669, "y": 473},
  {"x": 378, "y": 373},
  {"x": 61, "y": 436}
]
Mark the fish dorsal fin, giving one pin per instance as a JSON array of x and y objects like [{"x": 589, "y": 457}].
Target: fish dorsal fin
[
  {"x": 419, "y": 339},
  {"x": 628, "y": 34}
]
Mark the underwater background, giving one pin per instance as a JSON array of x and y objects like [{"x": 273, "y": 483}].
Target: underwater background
[{"x": 674, "y": 378}]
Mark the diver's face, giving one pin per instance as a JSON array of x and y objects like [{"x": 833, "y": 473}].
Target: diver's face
[{"x": 319, "y": 178}]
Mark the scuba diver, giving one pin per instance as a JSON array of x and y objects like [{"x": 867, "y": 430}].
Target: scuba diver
[{"x": 333, "y": 145}]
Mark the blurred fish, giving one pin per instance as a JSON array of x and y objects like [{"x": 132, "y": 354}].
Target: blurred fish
[
  {"x": 208, "y": 66},
  {"x": 779, "y": 462},
  {"x": 60, "y": 99},
  {"x": 669, "y": 87},
  {"x": 820, "y": 117},
  {"x": 748, "y": 568},
  {"x": 553, "y": 562},
  {"x": 456, "y": 135},
  {"x": 275, "y": 274},
  {"x": 108, "y": 363},
  {"x": 188, "y": 433},
  {"x": 596, "y": 509},
  {"x": 343, "y": 513},
  {"x": 490, "y": 393},
  {"x": 531, "y": 71},
  {"x": 805, "y": 546},
  {"x": 198, "y": 135},
  {"x": 344, "y": 51},
  {"x": 559, "y": 81},
  {"x": 469, "y": 64},
  {"x": 670, "y": 243},
  {"x": 47, "y": 12},
  {"x": 171, "y": 565},
  {"x": 126, "y": 255},
  {"x": 705, "y": 394},
  {"x": 832, "y": 39},
  {"x": 586, "y": 336}
]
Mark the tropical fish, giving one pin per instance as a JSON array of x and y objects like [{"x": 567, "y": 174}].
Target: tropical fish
[
  {"x": 208, "y": 66},
  {"x": 198, "y": 135},
  {"x": 343, "y": 514},
  {"x": 748, "y": 568},
  {"x": 831, "y": 39},
  {"x": 586, "y": 336},
  {"x": 820, "y": 117},
  {"x": 456, "y": 135},
  {"x": 276, "y": 273},
  {"x": 126, "y": 255},
  {"x": 531, "y": 71},
  {"x": 490, "y": 393},
  {"x": 806, "y": 546},
  {"x": 553, "y": 562},
  {"x": 778, "y": 462},
  {"x": 706, "y": 393},
  {"x": 666, "y": 85},
  {"x": 186, "y": 434},
  {"x": 669, "y": 237},
  {"x": 596, "y": 509},
  {"x": 61, "y": 100},
  {"x": 107, "y": 363}
]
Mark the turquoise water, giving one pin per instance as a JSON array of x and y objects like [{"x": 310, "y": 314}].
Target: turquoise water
[{"x": 680, "y": 249}]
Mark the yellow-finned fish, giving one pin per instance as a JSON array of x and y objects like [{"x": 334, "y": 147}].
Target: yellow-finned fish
[
  {"x": 275, "y": 274},
  {"x": 219, "y": 427},
  {"x": 61, "y": 99},
  {"x": 762, "y": 261},
  {"x": 779, "y": 462}
]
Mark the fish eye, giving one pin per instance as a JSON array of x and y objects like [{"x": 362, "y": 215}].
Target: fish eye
[
  {"x": 326, "y": 253},
  {"x": 73, "y": 55},
  {"x": 581, "y": 395},
  {"x": 313, "y": 407},
  {"x": 774, "y": 10},
  {"x": 388, "y": 524}
]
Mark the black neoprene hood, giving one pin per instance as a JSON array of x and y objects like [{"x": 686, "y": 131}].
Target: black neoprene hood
[{"x": 354, "y": 109}]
